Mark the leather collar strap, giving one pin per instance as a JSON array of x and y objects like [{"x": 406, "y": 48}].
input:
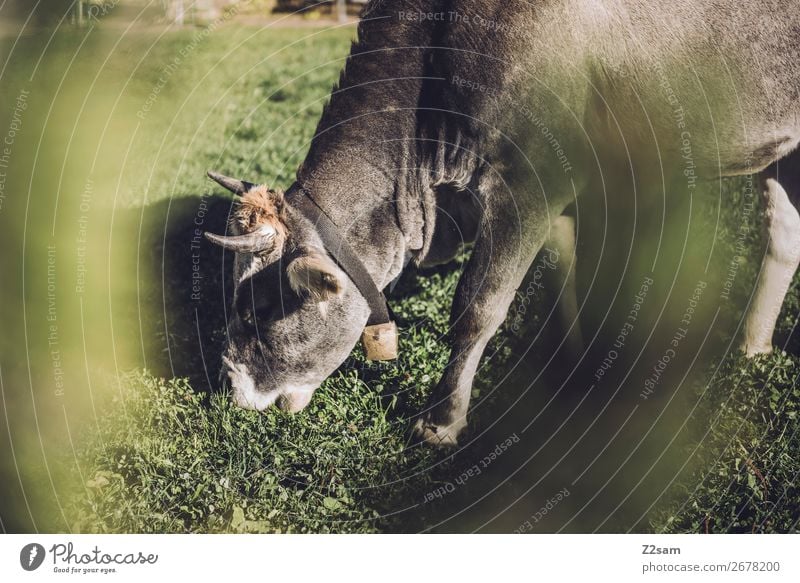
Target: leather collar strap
[{"x": 342, "y": 253}]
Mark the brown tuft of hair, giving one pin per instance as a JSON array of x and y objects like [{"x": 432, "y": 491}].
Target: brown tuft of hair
[{"x": 258, "y": 207}]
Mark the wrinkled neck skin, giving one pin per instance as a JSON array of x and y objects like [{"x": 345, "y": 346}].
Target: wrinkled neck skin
[
  {"x": 382, "y": 145},
  {"x": 385, "y": 209},
  {"x": 358, "y": 197}
]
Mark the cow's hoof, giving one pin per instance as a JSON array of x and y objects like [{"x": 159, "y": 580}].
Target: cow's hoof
[
  {"x": 753, "y": 350},
  {"x": 438, "y": 435}
]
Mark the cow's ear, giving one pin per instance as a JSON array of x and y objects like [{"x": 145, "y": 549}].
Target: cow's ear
[{"x": 315, "y": 275}]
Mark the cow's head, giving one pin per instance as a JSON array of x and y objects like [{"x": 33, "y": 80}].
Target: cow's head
[{"x": 296, "y": 316}]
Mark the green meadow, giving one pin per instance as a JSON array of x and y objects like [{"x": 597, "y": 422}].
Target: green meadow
[{"x": 114, "y": 312}]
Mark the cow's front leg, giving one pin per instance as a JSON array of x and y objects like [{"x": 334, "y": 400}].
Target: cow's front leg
[{"x": 508, "y": 240}]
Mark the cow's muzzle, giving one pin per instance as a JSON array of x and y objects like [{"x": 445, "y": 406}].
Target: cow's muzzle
[{"x": 244, "y": 392}]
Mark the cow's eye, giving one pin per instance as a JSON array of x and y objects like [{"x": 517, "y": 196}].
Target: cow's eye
[
  {"x": 266, "y": 297},
  {"x": 254, "y": 310},
  {"x": 260, "y": 310}
]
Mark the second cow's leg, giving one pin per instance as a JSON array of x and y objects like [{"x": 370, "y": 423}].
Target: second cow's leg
[
  {"x": 561, "y": 281},
  {"x": 782, "y": 226}
]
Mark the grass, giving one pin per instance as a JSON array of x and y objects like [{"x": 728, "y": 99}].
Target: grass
[
  {"x": 172, "y": 460},
  {"x": 165, "y": 452},
  {"x": 745, "y": 477}
]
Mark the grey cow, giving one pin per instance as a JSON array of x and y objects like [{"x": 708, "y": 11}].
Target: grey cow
[{"x": 492, "y": 116}]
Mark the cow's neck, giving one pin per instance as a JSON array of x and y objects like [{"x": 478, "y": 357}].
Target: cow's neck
[
  {"x": 358, "y": 200},
  {"x": 363, "y": 164}
]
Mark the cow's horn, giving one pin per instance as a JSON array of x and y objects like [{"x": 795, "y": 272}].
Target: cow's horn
[
  {"x": 254, "y": 242},
  {"x": 239, "y": 187}
]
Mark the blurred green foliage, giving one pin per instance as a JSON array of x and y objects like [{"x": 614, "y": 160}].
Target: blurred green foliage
[{"x": 135, "y": 442}]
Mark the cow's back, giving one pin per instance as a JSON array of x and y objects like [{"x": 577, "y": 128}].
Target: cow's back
[
  {"x": 723, "y": 75},
  {"x": 640, "y": 75}
]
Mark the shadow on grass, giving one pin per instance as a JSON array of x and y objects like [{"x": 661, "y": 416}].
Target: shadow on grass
[{"x": 183, "y": 287}]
